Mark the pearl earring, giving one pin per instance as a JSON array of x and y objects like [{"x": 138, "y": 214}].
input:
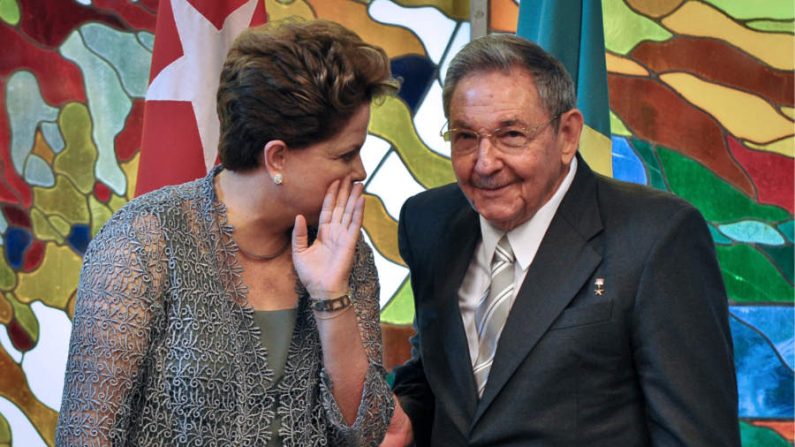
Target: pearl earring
[{"x": 278, "y": 179}]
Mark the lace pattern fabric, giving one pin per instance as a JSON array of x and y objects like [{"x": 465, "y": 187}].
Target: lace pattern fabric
[{"x": 165, "y": 350}]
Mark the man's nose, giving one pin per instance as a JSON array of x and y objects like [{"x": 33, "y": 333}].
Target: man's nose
[{"x": 488, "y": 157}]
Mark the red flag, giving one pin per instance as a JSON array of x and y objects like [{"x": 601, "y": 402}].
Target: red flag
[{"x": 180, "y": 130}]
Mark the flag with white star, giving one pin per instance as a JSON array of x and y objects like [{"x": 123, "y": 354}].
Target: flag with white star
[{"x": 180, "y": 130}]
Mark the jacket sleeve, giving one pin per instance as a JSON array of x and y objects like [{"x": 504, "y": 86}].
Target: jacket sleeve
[
  {"x": 117, "y": 297},
  {"x": 681, "y": 339},
  {"x": 410, "y": 385},
  {"x": 376, "y": 406}
]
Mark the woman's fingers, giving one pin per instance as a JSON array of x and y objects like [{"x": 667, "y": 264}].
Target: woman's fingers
[
  {"x": 329, "y": 202},
  {"x": 350, "y": 205},
  {"x": 343, "y": 193},
  {"x": 358, "y": 217},
  {"x": 300, "y": 235}
]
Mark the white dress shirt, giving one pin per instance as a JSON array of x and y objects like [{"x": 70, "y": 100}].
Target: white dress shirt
[{"x": 524, "y": 239}]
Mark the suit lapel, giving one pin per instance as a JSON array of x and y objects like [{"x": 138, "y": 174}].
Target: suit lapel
[
  {"x": 455, "y": 384},
  {"x": 565, "y": 260}
]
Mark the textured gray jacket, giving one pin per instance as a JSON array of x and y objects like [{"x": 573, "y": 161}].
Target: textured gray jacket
[{"x": 165, "y": 350}]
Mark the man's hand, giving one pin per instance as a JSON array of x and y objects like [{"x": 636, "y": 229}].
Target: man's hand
[{"x": 399, "y": 433}]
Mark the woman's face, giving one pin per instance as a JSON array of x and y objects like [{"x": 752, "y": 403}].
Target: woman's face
[{"x": 308, "y": 172}]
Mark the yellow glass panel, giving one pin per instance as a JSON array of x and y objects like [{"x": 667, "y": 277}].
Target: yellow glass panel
[
  {"x": 100, "y": 213},
  {"x": 654, "y": 8},
  {"x": 14, "y": 387},
  {"x": 42, "y": 228},
  {"x": 617, "y": 127},
  {"x": 623, "y": 65},
  {"x": 8, "y": 277},
  {"x": 785, "y": 146},
  {"x": 54, "y": 281},
  {"x": 595, "y": 149},
  {"x": 746, "y": 116},
  {"x": 789, "y": 111},
  {"x": 6, "y": 309},
  {"x": 79, "y": 155},
  {"x": 130, "y": 170},
  {"x": 455, "y": 9},
  {"x": 281, "y": 9},
  {"x": 63, "y": 200},
  {"x": 396, "y": 41},
  {"x": 381, "y": 229},
  {"x": 70, "y": 306},
  {"x": 63, "y": 227},
  {"x": 391, "y": 120},
  {"x": 698, "y": 19}
]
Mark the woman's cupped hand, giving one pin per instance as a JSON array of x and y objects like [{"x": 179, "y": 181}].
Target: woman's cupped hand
[{"x": 324, "y": 266}]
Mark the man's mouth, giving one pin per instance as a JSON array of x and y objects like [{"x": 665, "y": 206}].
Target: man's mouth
[{"x": 489, "y": 185}]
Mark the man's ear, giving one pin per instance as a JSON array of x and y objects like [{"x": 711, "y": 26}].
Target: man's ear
[
  {"x": 274, "y": 156},
  {"x": 569, "y": 131}
]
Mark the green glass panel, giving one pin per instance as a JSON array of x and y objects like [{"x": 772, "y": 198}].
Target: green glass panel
[
  {"x": 617, "y": 127},
  {"x": 8, "y": 279},
  {"x": 9, "y": 13},
  {"x": 100, "y": 213},
  {"x": 625, "y": 29},
  {"x": 5, "y": 431},
  {"x": 782, "y": 256},
  {"x": 400, "y": 309},
  {"x": 745, "y": 9},
  {"x": 77, "y": 160},
  {"x": 715, "y": 198},
  {"x": 64, "y": 200},
  {"x": 147, "y": 39},
  {"x": 653, "y": 170},
  {"x": 25, "y": 317},
  {"x": 773, "y": 26},
  {"x": 750, "y": 277},
  {"x": 788, "y": 230},
  {"x": 753, "y": 436}
]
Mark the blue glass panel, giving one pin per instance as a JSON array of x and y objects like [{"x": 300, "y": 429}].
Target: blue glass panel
[
  {"x": 752, "y": 231},
  {"x": 764, "y": 381},
  {"x": 79, "y": 237},
  {"x": 776, "y": 323},
  {"x": 416, "y": 74},
  {"x": 16, "y": 241},
  {"x": 626, "y": 164}
]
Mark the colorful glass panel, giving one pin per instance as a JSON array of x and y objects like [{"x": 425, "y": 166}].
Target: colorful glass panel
[{"x": 702, "y": 105}]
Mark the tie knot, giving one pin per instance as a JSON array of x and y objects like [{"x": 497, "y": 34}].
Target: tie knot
[{"x": 503, "y": 251}]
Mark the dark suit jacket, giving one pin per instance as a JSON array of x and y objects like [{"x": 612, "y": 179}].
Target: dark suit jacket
[{"x": 647, "y": 362}]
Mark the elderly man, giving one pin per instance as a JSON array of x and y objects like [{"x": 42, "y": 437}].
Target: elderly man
[{"x": 555, "y": 306}]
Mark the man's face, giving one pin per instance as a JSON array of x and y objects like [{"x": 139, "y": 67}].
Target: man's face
[{"x": 507, "y": 187}]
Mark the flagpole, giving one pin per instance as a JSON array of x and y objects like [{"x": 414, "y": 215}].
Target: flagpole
[{"x": 478, "y": 18}]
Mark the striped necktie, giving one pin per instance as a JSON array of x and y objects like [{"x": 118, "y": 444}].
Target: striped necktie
[{"x": 493, "y": 310}]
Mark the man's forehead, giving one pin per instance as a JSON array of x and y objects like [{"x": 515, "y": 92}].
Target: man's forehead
[{"x": 509, "y": 119}]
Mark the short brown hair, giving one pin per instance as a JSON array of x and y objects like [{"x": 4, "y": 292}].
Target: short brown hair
[{"x": 296, "y": 81}]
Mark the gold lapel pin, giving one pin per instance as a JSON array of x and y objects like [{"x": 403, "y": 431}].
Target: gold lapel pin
[{"x": 600, "y": 287}]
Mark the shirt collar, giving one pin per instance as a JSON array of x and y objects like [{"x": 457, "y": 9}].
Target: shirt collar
[{"x": 526, "y": 238}]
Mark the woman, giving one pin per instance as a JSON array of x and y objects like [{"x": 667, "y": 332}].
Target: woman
[{"x": 242, "y": 308}]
